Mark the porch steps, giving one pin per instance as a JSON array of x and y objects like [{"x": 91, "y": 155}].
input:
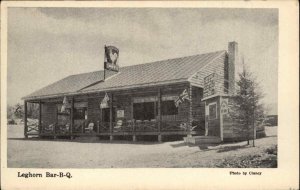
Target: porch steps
[{"x": 202, "y": 140}]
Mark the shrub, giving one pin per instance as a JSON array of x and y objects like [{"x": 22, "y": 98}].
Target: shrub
[
  {"x": 272, "y": 150},
  {"x": 11, "y": 122},
  {"x": 267, "y": 159}
]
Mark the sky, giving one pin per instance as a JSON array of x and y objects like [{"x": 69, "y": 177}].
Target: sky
[{"x": 48, "y": 44}]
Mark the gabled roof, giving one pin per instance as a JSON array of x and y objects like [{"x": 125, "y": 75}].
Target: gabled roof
[
  {"x": 70, "y": 84},
  {"x": 155, "y": 73}
]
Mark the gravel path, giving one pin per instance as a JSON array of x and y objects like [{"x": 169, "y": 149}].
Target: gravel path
[{"x": 122, "y": 154}]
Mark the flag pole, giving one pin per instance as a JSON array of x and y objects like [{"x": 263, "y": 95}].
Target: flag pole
[{"x": 104, "y": 62}]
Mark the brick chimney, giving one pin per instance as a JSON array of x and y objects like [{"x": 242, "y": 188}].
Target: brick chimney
[{"x": 232, "y": 65}]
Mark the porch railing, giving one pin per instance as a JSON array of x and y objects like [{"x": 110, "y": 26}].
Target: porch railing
[
  {"x": 32, "y": 129},
  {"x": 48, "y": 129},
  {"x": 104, "y": 127},
  {"x": 178, "y": 125},
  {"x": 146, "y": 126},
  {"x": 91, "y": 127},
  {"x": 80, "y": 127},
  {"x": 62, "y": 129}
]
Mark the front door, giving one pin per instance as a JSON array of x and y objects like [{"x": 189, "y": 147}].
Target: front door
[{"x": 106, "y": 115}]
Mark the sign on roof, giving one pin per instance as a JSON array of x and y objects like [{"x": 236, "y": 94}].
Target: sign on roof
[
  {"x": 209, "y": 85},
  {"x": 110, "y": 58}
]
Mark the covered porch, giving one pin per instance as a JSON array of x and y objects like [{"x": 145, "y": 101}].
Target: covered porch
[{"x": 129, "y": 112}]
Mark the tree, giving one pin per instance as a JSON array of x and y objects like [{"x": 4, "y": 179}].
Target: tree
[
  {"x": 247, "y": 108},
  {"x": 15, "y": 112},
  {"x": 10, "y": 112},
  {"x": 19, "y": 110}
]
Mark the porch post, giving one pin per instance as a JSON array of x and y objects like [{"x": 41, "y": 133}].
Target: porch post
[
  {"x": 110, "y": 117},
  {"x": 206, "y": 120},
  {"x": 40, "y": 117},
  {"x": 55, "y": 125},
  {"x": 159, "y": 114},
  {"x": 98, "y": 126},
  {"x": 25, "y": 120},
  {"x": 190, "y": 112},
  {"x": 72, "y": 117},
  {"x": 221, "y": 119},
  {"x": 101, "y": 121},
  {"x": 132, "y": 121}
]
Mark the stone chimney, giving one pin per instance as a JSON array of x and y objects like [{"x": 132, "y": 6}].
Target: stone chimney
[{"x": 232, "y": 65}]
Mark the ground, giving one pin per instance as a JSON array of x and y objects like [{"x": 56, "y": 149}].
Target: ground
[{"x": 30, "y": 153}]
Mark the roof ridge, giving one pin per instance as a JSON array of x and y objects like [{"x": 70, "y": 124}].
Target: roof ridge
[
  {"x": 78, "y": 82},
  {"x": 86, "y": 72},
  {"x": 175, "y": 58},
  {"x": 152, "y": 62}
]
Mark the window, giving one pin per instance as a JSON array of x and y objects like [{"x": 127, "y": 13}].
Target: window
[
  {"x": 143, "y": 111},
  {"x": 138, "y": 109},
  {"x": 148, "y": 110},
  {"x": 168, "y": 108},
  {"x": 212, "y": 111},
  {"x": 80, "y": 113}
]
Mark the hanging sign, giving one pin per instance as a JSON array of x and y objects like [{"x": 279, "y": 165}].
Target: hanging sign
[
  {"x": 144, "y": 99},
  {"x": 64, "y": 105},
  {"x": 209, "y": 85},
  {"x": 224, "y": 106},
  {"x": 182, "y": 97},
  {"x": 104, "y": 102},
  {"x": 80, "y": 104},
  {"x": 110, "y": 58}
]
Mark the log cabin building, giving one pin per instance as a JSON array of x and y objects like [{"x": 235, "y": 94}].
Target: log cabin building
[{"x": 181, "y": 96}]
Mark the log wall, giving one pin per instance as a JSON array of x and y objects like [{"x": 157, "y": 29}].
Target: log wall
[
  {"x": 123, "y": 102},
  {"x": 219, "y": 66}
]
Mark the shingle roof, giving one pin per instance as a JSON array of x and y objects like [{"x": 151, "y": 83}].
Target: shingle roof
[
  {"x": 166, "y": 71},
  {"x": 71, "y": 84}
]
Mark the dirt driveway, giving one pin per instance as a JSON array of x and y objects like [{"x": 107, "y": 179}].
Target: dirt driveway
[{"x": 122, "y": 154}]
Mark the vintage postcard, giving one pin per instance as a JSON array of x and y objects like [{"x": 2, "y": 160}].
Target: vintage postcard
[{"x": 149, "y": 95}]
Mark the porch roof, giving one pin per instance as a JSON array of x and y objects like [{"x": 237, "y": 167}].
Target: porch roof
[{"x": 160, "y": 72}]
